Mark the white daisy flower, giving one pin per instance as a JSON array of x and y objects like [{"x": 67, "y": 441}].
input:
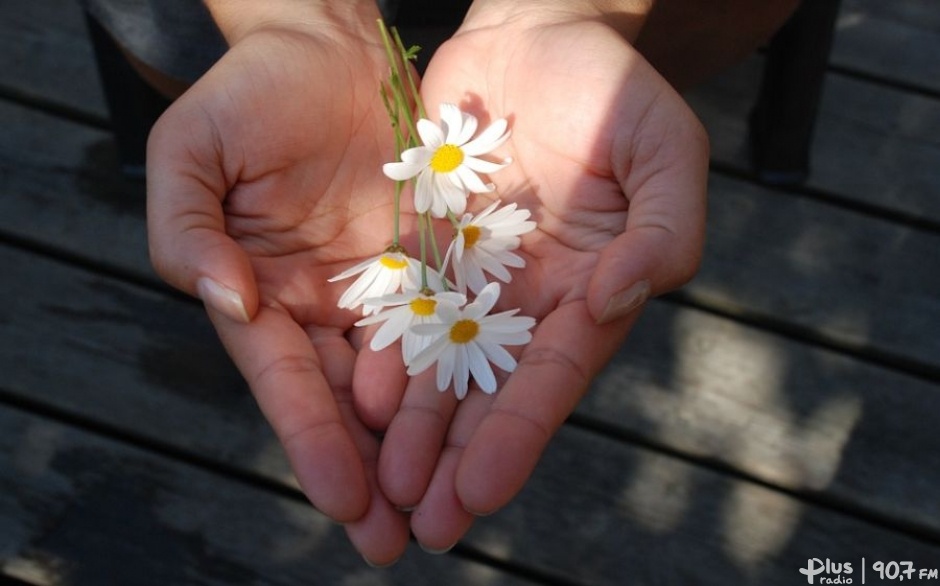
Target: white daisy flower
[
  {"x": 447, "y": 164},
  {"x": 381, "y": 275},
  {"x": 483, "y": 243},
  {"x": 467, "y": 340},
  {"x": 403, "y": 310}
]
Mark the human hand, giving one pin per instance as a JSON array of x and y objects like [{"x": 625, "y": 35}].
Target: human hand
[
  {"x": 613, "y": 165},
  {"x": 264, "y": 180}
]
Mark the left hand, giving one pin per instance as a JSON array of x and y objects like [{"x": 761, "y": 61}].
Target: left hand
[{"x": 613, "y": 166}]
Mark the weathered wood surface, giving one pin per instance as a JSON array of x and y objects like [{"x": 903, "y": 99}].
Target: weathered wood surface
[
  {"x": 896, "y": 41},
  {"x": 786, "y": 414},
  {"x": 874, "y": 146},
  {"x": 82, "y": 509},
  {"x": 596, "y": 508},
  {"x": 46, "y": 57}
]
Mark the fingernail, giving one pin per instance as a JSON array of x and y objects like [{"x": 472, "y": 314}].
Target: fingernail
[
  {"x": 625, "y": 302},
  {"x": 379, "y": 566},
  {"x": 481, "y": 513},
  {"x": 222, "y": 299},
  {"x": 433, "y": 551}
]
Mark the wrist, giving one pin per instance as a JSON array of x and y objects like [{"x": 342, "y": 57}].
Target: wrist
[
  {"x": 625, "y": 16},
  {"x": 237, "y": 19}
]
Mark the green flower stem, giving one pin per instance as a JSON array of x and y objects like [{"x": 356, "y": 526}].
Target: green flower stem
[
  {"x": 399, "y": 146},
  {"x": 406, "y": 56},
  {"x": 399, "y": 92},
  {"x": 398, "y": 106},
  {"x": 437, "y": 253},
  {"x": 424, "y": 226}
]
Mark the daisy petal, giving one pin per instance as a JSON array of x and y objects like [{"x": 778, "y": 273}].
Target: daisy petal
[
  {"x": 430, "y": 134},
  {"x": 491, "y": 138},
  {"x": 469, "y": 127},
  {"x": 483, "y": 303},
  {"x": 480, "y": 368},
  {"x": 429, "y": 329},
  {"x": 480, "y": 217},
  {"x": 452, "y": 122},
  {"x": 472, "y": 181},
  {"x": 392, "y": 329},
  {"x": 474, "y": 277},
  {"x": 510, "y": 259},
  {"x": 428, "y": 356},
  {"x": 447, "y": 312},
  {"x": 354, "y": 270},
  {"x": 418, "y": 155},
  {"x": 493, "y": 266},
  {"x": 461, "y": 371},
  {"x": 481, "y": 166},
  {"x": 446, "y": 366},
  {"x": 401, "y": 171},
  {"x": 498, "y": 355},
  {"x": 450, "y": 195},
  {"x": 424, "y": 191}
]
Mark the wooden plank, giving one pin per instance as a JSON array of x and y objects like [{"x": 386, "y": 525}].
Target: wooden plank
[
  {"x": 85, "y": 510},
  {"x": 803, "y": 418},
  {"x": 80, "y": 509},
  {"x": 61, "y": 189},
  {"x": 621, "y": 512},
  {"x": 851, "y": 278},
  {"x": 873, "y": 145},
  {"x": 880, "y": 148},
  {"x": 45, "y": 55},
  {"x": 136, "y": 361},
  {"x": 44, "y": 50},
  {"x": 897, "y": 41}
]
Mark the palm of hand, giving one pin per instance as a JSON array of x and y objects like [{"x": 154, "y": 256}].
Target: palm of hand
[
  {"x": 594, "y": 163},
  {"x": 288, "y": 132}
]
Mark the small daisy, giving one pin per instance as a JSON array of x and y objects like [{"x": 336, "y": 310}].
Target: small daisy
[
  {"x": 467, "y": 340},
  {"x": 483, "y": 243},
  {"x": 381, "y": 275},
  {"x": 447, "y": 164},
  {"x": 403, "y": 310}
]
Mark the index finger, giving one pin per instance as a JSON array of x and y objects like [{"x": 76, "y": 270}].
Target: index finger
[
  {"x": 186, "y": 185},
  {"x": 286, "y": 376},
  {"x": 553, "y": 373}
]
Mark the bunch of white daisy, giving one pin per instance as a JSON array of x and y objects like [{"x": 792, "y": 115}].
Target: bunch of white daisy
[{"x": 437, "y": 320}]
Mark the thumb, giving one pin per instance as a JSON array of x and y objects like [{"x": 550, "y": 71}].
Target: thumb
[
  {"x": 639, "y": 264},
  {"x": 186, "y": 186},
  {"x": 661, "y": 246}
]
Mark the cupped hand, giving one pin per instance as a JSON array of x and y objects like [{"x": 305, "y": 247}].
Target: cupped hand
[
  {"x": 613, "y": 166},
  {"x": 264, "y": 180}
]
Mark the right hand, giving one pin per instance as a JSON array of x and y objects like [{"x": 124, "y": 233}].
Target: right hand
[{"x": 264, "y": 180}]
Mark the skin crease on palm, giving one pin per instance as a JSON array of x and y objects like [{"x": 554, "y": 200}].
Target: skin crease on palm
[{"x": 270, "y": 193}]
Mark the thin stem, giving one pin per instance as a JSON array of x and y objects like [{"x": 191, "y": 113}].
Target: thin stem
[
  {"x": 393, "y": 115},
  {"x": 399, "y": 92},
  {"x": 437, "y": 253},
  {"x": 406, "y": 56},
  {"x": 423, "y": 229}
]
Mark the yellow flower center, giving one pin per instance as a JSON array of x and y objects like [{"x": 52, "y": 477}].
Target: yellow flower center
[
  {"x": 470, "y": 236},
  {"x": 446, "y": 158},
  {"x": 391, "y": 262},
  {"x": 423, "y": 306},
  {"x": 464, "y": 331}
]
